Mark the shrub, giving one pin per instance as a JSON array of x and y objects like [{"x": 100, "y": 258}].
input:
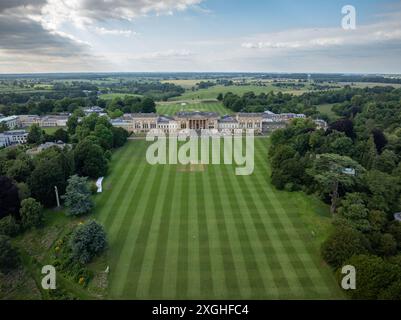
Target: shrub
[
  {"x": 342, "y": 245},
  {"x": 88, "y": 241},
  {"x": 374, "y": 277},
  {"x": 8, "y": 255},
  {"x": 9, "y": 227},
  {"x": 31, "y": 213},
  {"x": 78, "y": 196}
]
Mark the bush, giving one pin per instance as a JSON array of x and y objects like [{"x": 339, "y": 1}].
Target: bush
[
  {"x": 9, "y": 227},
  {"x": 31, "y": 213},
  {"x": 393, "y": 292},
  {"x": 342, "y": 245},
  {"x": 8, "y": 255},
  {"x": 374, "y": 277},
  {"x": 78, "y": 196},
  {"x": 88, "y": 241}
]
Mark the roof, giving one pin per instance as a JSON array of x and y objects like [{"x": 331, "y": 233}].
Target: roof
[
  {"x": 196, "y": 114},
  {"x": 10, "y": 118},
  {"x": 15, "y": 132},
  {"x": 228, "y": 119},
  {"x": 250, "y": 115},
  {"x": 144, "y": 115},
  {"x": 165, "y": 119}
]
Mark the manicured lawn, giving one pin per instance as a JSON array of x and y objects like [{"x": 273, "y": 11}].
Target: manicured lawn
[
  {"x": 181, "y": 234},
  {"x": 171, "y": 109}
]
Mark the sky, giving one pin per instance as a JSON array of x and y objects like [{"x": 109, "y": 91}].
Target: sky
[{"x": 199, "y": 36}]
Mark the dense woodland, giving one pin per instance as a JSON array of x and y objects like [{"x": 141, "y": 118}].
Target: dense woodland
[
  {"x": 356, "y": 168},
  {"x": 27, "y": 187}
]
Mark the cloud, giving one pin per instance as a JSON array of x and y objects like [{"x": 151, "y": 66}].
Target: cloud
[
  {"x": 320, "y": 38},
  {"x": 19, "y": 33},
  {"x": 41, "y": 32},
  {"x": 82, "y": 13},
  {"x": 9, "y": 4},
  {"x": 168, "y": 54}
]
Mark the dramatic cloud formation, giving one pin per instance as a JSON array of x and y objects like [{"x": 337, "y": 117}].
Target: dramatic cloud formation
[
  {"x": 35, "y": 28},
  {"x": 186, "y": 35}
]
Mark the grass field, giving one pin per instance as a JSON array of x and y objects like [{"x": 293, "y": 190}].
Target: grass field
[
  {"x": 111, "y": 96},
  {"x": 171, "y": 109},
  {"x": 327, "y": 109},
  {"x": 209, "y": 234},
  {"x": 212, "y": 92}
]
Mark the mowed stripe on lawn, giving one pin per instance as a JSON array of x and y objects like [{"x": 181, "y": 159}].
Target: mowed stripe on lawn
[{"x": 205, "y": 235}]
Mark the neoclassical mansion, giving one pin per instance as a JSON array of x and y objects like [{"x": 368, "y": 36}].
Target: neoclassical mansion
[{"x": 197, "y": 120}]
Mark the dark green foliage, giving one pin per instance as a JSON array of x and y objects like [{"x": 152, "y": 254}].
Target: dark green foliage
[
  {"x": 35, "y": 135},
  {"x": 48, "y": 173},
  {"x": 88, "y": 241},
  {"x": 120, "y": 136},
  {"x": 342, "y": 245},
  {"x": 374, "y": 276},
  {"x": 9, "y": 226},
  {"x": 78, "y": 196},
  {"x": 9, "y": 198},
  {"x": 31, "y": 213},
  {"x": 90, "y": 160},
  {"x": 8, "y": 255}
]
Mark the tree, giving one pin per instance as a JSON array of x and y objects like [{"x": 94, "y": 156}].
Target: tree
[
  {"x": 78, "y": 196},
  {"x": 35, "y": 135},
  {"x": 342, "y": 245},
  {"x": 31, "y": 213},
  {"x": 48, "y": 173},
  {"x": 220, "y": 97},
  {"x": 8, "y": 255},
  {"x": 9, "y": 226},
  {"x": 148, "y": 105},
  {"x": 395, "y": 230},
  {"x": 88, "y": 241},
  {"x": 72, "y": 124},
  {"x": 343, "y": 125},
  {"x": 104, "y": 135},
  {"x": 387, "y": 161},
  {"x": 90, "y": 160},
  {"x": 19, "y": 170},
  {"x": 354, "y": 210},
  {"x": 9, "y": 198},
  {"x": 392, "y": 292},
  {"x": 379, "y": 139},
  {"x": 332, "y": 171},
  {"x": 120, "y": 136},
  {"x": 61, "y": 135},
  {"x": 373, "y": 276}
]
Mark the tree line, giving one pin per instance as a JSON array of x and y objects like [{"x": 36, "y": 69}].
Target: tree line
[{"x": 355, "y": 167}]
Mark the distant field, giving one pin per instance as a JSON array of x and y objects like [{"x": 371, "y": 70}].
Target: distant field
[
  {"x": 371, "y": 84},
  {"x": 326, "y": 109},
  {"x": 178, "y": 233},
  {"x": 110, "y": 96},
  {"x": 212, "y": 92},
  {"x": 171, "y": 109},
  {"x": 186, "y": 84}
]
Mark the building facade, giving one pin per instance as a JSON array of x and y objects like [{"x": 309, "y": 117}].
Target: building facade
[
  {"x": 13, "y": 137},
  {"x": 12, "y": 122}
]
